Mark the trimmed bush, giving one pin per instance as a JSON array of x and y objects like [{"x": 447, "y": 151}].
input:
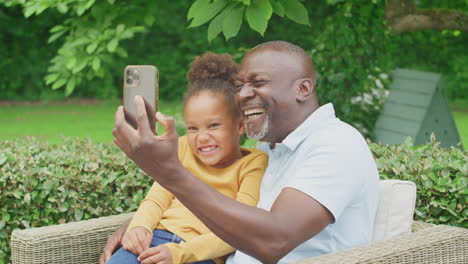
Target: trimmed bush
[
  {"x": 42, "y": 184},
  {"x": 440, "y": 174}
]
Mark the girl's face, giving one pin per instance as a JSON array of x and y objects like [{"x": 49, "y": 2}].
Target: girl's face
[{"x": 213, "y": 131}]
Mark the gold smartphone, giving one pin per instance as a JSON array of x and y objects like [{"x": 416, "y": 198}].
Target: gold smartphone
[{"x": 140, "y": 80}]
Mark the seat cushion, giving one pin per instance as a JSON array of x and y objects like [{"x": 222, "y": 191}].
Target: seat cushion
[{"x": 396, "y": 208}]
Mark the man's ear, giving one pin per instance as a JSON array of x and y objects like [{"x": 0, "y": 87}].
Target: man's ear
[
  {"x": 241, "y": 127},
  {"x": 305, "y": 88}
]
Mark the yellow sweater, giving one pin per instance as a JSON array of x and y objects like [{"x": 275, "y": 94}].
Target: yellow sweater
[{"x": 162, "y": 210}]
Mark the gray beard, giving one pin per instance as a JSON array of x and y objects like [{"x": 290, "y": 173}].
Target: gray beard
[{"x": 260, "y": 134}]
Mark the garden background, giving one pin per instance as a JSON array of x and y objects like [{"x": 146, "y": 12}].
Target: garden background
[{"x": 62, "y": 65}]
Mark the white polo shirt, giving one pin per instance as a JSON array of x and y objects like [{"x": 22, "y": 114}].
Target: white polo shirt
[{"x": 331, "y": 162}]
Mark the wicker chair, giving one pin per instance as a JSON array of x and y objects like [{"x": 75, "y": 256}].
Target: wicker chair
[{"x": 82, "y": 242}]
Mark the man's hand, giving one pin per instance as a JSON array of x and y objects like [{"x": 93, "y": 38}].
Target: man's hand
[
  {"x": 155, "y": 155},
  {"x": 160, "y": 255},
  {"x": 137, "y": 240},
  {"x": 113, "y": 243}
]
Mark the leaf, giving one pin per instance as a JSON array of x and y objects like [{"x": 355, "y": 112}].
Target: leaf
[
  {"x": 62, "y": 8},
  {"x": 258, "y": 14},
  {"x": 96, "y": 64},
  {"x": 90, "y": 3},
  {"x": 70, "y": 86},
  {"x": 120, "y": 28},
  {"x": 149, "y": 19},
  {"x": 208, "y": 13},
  {"x": 3, "y": 159},
  {"x": 29, "y": 10},
  {"x": 57, "y": 28},
  {"x": 233, "y": 21},
  {"x": 71, "y": 63},
  {"x": 59, "y": 83},
  {"x": 216, "y": 25},
  {"x": 196, "y": 7},
  {"x": 80, "y": 66},
  {"x": 55, "y": 36},
  {"x": 91, "y": 47},
  {"x": 51, "y": 78},
  {"x": 295, "y": 11},
  {"x": 27, "y": 198},
  {"x": 121, "y": 52},
  {"x": 78, "y": 214},
  {"x": 112, "y": 45},
  {"x": 277, "y": 8},
  {"x": 80, "y": 10}
]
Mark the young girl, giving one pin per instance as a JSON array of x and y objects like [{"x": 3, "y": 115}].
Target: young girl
[{"x": 211, "y": 151}]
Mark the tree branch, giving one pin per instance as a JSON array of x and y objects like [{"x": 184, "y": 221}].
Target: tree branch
[{"x": 403, "y": 16}]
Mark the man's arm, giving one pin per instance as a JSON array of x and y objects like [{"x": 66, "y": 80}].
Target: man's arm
[
  {"x": 294, "y": 217},
  {"x": 113, "y": 243}
]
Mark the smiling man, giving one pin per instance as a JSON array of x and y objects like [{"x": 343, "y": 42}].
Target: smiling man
[{"x": 320, "y": 190}]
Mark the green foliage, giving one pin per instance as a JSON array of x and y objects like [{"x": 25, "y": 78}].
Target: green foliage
[
  {"x": 92, "y": 32},
  {"x": 43, "y": 184},
  {"x": 231, "y": 13},
  {"x": 440, "y": 175},
  {"x": 23, "y": 63},
  {"x": 352, "y": 57},
  {"x": 92, "y": 41}
]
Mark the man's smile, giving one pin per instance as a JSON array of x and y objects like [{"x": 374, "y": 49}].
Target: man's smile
[{"x": 253, "y": 114}]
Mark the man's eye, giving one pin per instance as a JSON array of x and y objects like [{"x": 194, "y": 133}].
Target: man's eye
[
  {"x": 258, "y": 83},
  {"x": 238, "y": 86}
]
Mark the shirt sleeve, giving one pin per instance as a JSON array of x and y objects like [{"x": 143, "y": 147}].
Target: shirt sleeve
[
  {"x": 330, "y": 174},
  {"x": 209, "y": 246},
  {"x": 152, "y": 208}
]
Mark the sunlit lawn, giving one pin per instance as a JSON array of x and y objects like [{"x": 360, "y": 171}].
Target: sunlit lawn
[{"x": 51, "y": 122}]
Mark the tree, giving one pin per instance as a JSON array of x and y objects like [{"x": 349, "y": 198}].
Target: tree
[
  {"x": 92, "y": 31},
  {"x": 405, "y": 16}
]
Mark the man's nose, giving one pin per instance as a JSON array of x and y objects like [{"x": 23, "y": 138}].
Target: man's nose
[{"x": 246, "y": 92}]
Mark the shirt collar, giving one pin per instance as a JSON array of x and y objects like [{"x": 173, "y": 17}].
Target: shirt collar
[{"x": 313, "y": 122}]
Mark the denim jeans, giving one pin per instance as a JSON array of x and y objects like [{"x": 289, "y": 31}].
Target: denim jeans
[{"x": 123, "y": 256}]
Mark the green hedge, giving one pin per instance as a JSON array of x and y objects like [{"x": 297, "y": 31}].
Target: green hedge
[{"x": 42, "y": 184}]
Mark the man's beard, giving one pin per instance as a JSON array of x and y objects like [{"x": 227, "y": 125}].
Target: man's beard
[{"x": 261, "y": 133}]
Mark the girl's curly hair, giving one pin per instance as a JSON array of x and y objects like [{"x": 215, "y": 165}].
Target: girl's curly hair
[{"x": 212, "y": 72}]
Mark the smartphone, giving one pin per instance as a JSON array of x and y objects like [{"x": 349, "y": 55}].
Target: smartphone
[{"x": 140, "y": 80}]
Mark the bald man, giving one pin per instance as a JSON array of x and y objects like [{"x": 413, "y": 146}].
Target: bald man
[{"x": 320, "y": 190}]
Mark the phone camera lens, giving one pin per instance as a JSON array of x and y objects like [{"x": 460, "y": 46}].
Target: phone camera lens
[
  {"x": 129, "y": 72},
  {"x": 130, "y": 81}
]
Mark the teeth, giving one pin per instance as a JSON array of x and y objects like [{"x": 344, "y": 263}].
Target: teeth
[
  {"x": 253, "y": 111},
  {"x": 205, "y": 149}
]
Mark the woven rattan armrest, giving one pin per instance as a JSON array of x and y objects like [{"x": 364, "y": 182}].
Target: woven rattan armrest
[
  {"x": 82, "y": 242},
  {"x": 431, "y": 244},
  {"x": 77, "y": 242}
]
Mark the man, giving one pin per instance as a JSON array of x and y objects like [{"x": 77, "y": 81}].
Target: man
[{"x": 320, "y": 190}]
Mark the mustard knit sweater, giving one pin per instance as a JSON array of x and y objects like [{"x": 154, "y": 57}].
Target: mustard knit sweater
[{"x": 162, "y": 210}]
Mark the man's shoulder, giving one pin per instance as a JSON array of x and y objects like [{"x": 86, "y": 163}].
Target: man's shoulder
[{"x": 335, "y": 132}]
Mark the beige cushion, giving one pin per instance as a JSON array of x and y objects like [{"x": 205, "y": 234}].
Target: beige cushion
[{"x": 396, "y": 208}]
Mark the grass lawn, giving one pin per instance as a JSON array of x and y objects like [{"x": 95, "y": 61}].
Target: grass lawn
[{"x": 51, "y": 122}]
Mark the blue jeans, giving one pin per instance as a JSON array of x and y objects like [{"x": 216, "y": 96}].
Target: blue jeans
[{"x": 123, "y": 256}]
